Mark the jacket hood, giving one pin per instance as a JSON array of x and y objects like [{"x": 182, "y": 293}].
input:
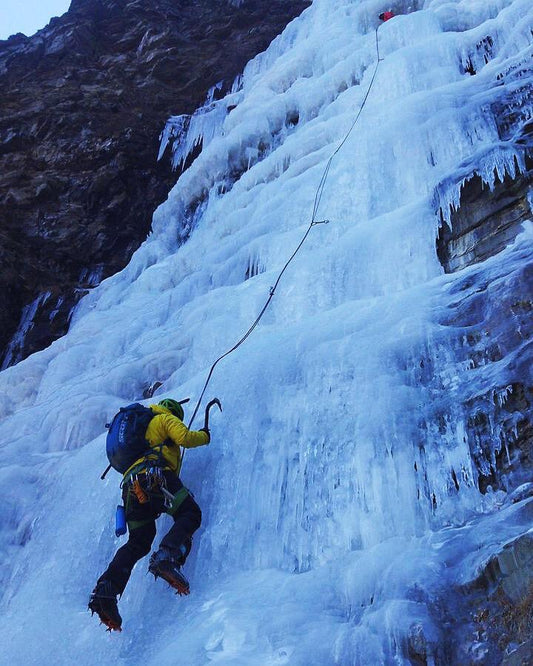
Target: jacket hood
[{"x": 157, "y": 409}]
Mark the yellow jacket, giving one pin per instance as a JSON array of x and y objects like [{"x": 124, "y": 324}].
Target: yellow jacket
[{"x": 166, "y": 433}]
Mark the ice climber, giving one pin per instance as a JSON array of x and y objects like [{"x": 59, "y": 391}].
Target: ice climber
[
  {"x": 386, "y": 16},
  {"x": 151, "y": 486}
]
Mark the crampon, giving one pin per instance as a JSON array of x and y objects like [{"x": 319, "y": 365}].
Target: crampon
[
  {"x": 104, "y": 603},
  {"x": 111, "y": 624},
  {"x": 170, "y": 572}
]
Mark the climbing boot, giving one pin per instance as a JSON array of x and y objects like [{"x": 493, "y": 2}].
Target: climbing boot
[
  {"x": 166, "y": 564},
  {"x": 103, "y": 602}
]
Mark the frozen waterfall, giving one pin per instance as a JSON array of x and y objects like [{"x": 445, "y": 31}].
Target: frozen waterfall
[{"x": 340, "y": 496}]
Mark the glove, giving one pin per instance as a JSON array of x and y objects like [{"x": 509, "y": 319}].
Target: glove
[{"x": 206, "y": 430}]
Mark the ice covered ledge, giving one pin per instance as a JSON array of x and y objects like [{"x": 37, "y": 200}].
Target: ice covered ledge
[
  {"x": 493, "y": 611},
  {"x": 486, "y": 219}
]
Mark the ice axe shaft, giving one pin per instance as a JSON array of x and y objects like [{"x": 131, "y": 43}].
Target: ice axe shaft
[{"x": 212, "y": 403}]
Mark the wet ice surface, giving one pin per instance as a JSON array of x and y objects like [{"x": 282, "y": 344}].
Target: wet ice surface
[{"x": 332, "y": 518}]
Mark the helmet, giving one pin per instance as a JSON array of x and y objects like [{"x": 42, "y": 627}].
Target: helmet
[{"x": 173, "y": 406}]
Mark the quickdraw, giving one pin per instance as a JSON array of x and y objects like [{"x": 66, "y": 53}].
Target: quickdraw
[{"x": 154, "y": 481}]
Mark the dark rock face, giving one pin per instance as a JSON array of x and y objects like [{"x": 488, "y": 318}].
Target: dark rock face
[
  {"x": 494, "y": 612},
  {"x": 497, "y": 323},
  {"x": 493, "y": 616},
  {"x": 83, "y": 103},
  {"x": 497, "y": 317},
  {"x": 486, "y": 220}
]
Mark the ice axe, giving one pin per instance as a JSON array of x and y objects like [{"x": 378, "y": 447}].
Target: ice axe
[{"x": 212, "y": 403}]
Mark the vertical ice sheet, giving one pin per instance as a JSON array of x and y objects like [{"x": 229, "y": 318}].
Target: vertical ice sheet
[{"x": 338, "y": 481}]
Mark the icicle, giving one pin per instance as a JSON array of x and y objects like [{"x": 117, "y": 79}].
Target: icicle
[
  {"x": 175, "y": 129},
  {"x": 185, "y": 132},
  {"x": 496, "y": 163},
  {"x": 25, "y": 325},
  {"x": 502, "y": 395}
]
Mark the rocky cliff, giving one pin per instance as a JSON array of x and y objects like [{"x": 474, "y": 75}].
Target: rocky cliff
[
  {"x": 493, "y": 616},
  {"x": 486, "y": 220},
  {"x": 83, "y": 103}
]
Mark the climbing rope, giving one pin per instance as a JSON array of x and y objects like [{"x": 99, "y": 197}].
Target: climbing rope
[
  {"x": 322, "y": 183},
  {"x": 313, "y": 223}
]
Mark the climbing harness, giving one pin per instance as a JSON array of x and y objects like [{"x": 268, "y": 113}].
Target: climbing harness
[
  {"x": 153, "y": 481},
  {"x": 313, "y": 223}
]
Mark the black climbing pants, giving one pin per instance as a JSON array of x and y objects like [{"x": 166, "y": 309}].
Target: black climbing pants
[{"x": 141, "y": 519}]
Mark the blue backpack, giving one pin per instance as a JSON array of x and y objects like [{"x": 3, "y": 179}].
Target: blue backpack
[{"x": 126, "y": 441}]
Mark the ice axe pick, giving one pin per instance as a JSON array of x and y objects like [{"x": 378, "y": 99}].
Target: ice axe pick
[{"x": 212, "y": 403}]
